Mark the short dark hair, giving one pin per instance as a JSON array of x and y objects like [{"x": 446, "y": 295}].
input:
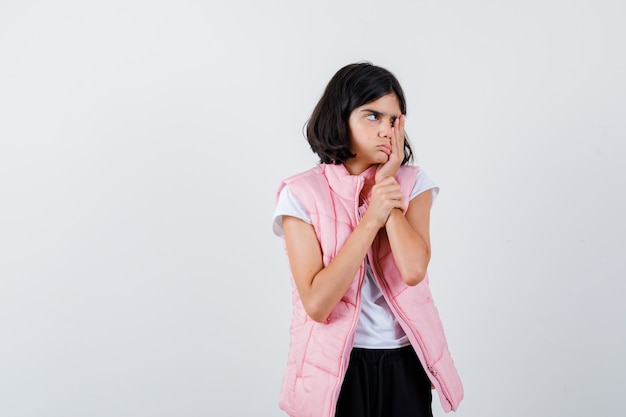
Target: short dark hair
[{"x": 352, "y": 86}]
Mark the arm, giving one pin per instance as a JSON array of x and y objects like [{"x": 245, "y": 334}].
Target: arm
[
  {"x": 321, "y": 288},
  {"x": 409, "y": 235},
  {"x": 409, "y": 238}
]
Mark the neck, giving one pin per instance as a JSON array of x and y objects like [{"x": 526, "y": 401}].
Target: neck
[{"x": 355, "y": 168}]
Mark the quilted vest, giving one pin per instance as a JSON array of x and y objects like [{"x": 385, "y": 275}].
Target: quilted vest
[{"x": 319, "y": 352}]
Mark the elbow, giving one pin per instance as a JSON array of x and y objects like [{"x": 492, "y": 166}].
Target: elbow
[
  {"x": 319, "y": 318},
  {"x": 414, "y": 277},
  {"x": 316, "y": 313}
]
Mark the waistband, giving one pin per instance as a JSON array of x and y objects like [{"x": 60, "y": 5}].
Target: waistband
[{"x": 375, "y": 355}]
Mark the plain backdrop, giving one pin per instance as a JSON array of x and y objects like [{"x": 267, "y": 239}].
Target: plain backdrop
[{"x": 142, "y": 143}]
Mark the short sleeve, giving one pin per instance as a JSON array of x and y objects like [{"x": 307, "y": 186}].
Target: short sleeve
[
  {"x": 424, "y": 183},
  {"x": 288, "y": 205}
]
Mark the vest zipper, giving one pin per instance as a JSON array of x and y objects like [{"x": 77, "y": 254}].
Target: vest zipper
[{"x": 349, "y": 343}]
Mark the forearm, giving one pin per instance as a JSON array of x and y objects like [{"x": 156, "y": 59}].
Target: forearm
[
  {"x": 410, "y": 250},
  {"x": 331, "y": 283}
]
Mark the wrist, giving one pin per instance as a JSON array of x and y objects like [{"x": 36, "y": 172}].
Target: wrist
[
  {"x": 370, "y": 224},
  {"x": 395, "y": 213}
]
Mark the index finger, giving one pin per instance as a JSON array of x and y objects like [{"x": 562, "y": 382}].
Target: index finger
[
  {"x": 401, "y": 121},
  {"x": 398, "y": 136}
]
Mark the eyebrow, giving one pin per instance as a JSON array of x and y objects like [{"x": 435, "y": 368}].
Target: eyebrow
[{"x": 377, "y": 113}]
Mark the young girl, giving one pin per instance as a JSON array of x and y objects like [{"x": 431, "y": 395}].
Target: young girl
[{"x": 366, "y": 338}]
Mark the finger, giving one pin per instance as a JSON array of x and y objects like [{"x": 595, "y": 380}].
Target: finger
[
  {"x": 400, "y": 137},
  {"x": 386, "y": 181},
  {"x": 391, "y": 192},
  {"x": 398, "y": 196},
  {"x": 395, "y": 140},
  {"x": 395, "y": 196},
  {"x": 391, "y": 188},
  {"x": 386, "y": 189},
  {"x": 399, "y": 204}
]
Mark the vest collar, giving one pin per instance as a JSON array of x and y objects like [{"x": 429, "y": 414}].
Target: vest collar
[{"x": 348, "y": 186}]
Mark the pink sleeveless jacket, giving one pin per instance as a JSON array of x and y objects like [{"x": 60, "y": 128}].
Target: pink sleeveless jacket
[{"x": 319, "y": 352}]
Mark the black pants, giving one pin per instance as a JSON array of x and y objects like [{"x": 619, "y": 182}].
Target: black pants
[{"x": 385, "y": 383}]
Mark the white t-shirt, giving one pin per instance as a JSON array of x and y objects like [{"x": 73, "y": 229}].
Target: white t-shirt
[{"x": 377, "y": 327}]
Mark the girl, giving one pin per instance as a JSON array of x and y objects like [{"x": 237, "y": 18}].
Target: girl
[{"x": 366, "y": 338}]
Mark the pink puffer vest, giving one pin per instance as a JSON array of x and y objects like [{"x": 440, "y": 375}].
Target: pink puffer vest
[{"x": 319, "y": 352}]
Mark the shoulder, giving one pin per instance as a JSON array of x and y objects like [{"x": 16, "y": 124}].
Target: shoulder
[
  {"x": 288, "y": 205},
  {"x": 406, "y": 177},
  {"x": 297, "y": 178},
  {"x": 408, "y": 173},
  {"x": 316, "y": 171},
  {"x": 409, "y": 169},
  {"x": 413, "y": 173},
  {"x": 422, "y": 177},
  {"x": 311, "y": 180},
  {"x": 423, "y": 182}
]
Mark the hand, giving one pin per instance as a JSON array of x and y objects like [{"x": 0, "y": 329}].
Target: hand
[
  {"x": 386, "y": 196},
  {"x": 390, "y": 168}
]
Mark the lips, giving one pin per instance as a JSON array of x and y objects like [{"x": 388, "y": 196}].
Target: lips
[{"x": 386, "y": 149}]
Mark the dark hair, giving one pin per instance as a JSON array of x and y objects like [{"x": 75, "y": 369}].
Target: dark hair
[{"x": 352, "y": 86}]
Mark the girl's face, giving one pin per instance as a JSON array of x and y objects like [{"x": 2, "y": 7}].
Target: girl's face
[{"x": 370, "y": 132}]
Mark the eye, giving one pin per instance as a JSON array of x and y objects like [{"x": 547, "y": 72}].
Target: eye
[
  {"x": 393, "y": 120},
  {"x": 371, "y": 117}
]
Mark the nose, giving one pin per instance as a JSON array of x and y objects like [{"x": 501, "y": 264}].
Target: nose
[{"x": 384, "y": 130}]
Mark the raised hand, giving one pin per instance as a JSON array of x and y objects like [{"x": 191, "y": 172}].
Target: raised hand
[{"x": 390, "y": 168}]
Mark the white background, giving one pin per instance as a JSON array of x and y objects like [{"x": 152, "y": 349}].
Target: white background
[{"x": 141, "y": 144}]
